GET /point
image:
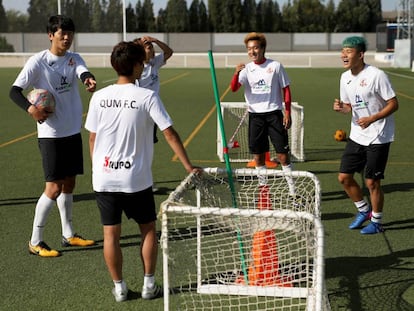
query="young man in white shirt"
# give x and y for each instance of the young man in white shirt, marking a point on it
(366, 92)
(56, 70)
(121, 120)
(265, 81)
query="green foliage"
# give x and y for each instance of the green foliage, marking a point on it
(5, 46)
(39, 12)
(202, 16)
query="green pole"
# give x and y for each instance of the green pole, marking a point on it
(226, 159)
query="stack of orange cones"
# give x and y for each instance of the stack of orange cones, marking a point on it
(268, 162)
(264, 270)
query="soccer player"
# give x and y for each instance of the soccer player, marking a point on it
(60, 143)
(152, 63)
(366, 92)
(121, 120)
(265, 81)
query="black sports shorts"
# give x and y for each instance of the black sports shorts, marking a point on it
(61, 157)
(372, 158)
(263, 126)
(139, 206)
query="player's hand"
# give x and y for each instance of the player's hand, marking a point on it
(364, 122)
(287, 121)
(197, 170)
(90, 84)
(338, 105)
(240, 67)
(39, 114)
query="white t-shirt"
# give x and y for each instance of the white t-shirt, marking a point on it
(368, 93)
(123, 116)
(263, 85)
(58, 75)
(149, 77)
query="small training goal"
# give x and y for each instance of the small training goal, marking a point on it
(265, 253)
(235, 119)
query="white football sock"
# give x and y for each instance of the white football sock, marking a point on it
(376, 217)
(362, 206)
(65, 203)
(149, 281)
(42, 210)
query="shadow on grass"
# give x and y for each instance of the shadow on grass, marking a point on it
(18, 201)
(359, 282)
(324, 154)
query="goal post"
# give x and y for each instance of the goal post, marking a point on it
(235, 121)
(283, 244)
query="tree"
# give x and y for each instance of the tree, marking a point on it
(114, 16)
(78, 10)
(310, 15)
(248, 16)
(231, 16)
(144, 15)
(39, 13)
(289, 17)
(197, 17)
(215, 11)
(97, 16)
(17, 22)
(5, 46)
(131, 24)
(358, 15)
(161, 20)
(3, 18)
(330, 20)
(269, 18)
(177, 16)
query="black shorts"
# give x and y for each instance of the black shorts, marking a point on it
(263, 126)
(139, 206)
(61, 157)
(372, 158)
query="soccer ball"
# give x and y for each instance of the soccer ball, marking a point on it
(42, 99)
(340, 135)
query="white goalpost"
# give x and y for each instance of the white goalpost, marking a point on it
(235, 121)
(278, 263)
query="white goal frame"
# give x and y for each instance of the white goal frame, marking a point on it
(315, 295)
(241, 154)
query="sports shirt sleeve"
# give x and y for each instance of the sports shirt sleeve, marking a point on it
(384, 87)
(158, 113)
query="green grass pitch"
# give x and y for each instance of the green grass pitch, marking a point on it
(362, 272)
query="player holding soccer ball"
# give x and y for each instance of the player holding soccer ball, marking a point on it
(366, 92)
(56, 70)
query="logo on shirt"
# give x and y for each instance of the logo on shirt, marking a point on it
(71, 62)
(363, 83)
(359, 102)
(65, 86)
(116, 165)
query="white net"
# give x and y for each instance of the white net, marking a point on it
(265, 254)
(235, 122)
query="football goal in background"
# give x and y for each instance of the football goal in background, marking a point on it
(264, 254)
(235, 119)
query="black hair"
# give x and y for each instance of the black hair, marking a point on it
(125, 55)
(57, 22)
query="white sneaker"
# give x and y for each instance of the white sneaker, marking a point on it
(120, 294)
(151, 293)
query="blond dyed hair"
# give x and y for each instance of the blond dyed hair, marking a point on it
(256, 36)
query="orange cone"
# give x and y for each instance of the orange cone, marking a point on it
(268, 162)
(264, 271)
